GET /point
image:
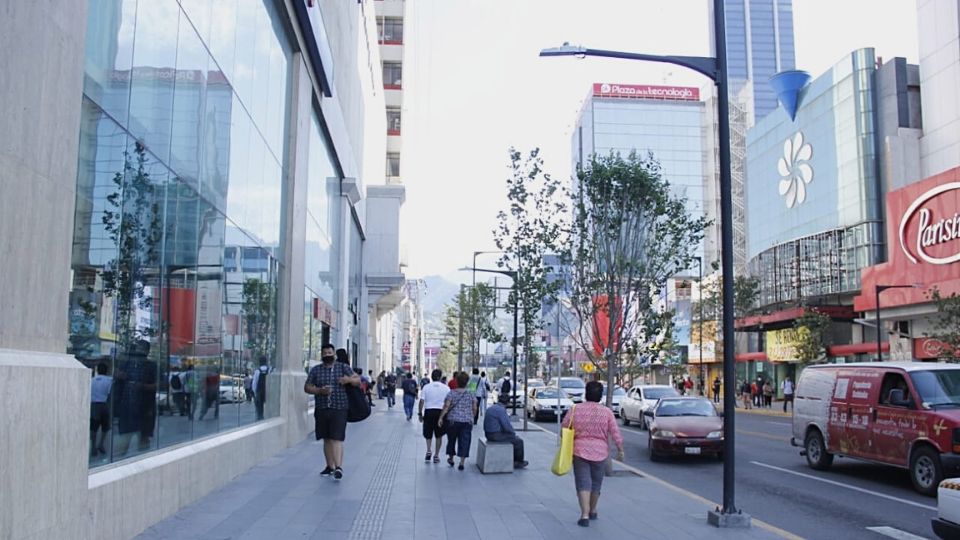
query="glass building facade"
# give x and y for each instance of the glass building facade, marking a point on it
(177, 233)
(672, 130)
(759, 44)
(813, 192)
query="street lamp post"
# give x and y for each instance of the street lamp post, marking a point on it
(516, 309)
(703, 381)
(714, 68)
(879, 289)
(474, 354)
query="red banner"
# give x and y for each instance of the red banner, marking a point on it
(929, 348)
(601, 324)
(646, 91)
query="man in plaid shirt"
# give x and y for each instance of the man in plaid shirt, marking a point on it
(325, 381)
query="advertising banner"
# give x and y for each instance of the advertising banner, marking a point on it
(646, 91)
(781, 345)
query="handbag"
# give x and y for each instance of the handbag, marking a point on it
(358, 408)
(563, 461)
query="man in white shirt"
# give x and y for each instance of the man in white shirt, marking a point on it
(100, 386)
(787, 387)
(431, 404)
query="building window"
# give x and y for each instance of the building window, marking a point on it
(393, 120)
(390, 30)
(392, 72)
(393, 164)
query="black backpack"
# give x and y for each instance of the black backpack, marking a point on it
(175, 382)
(261, 394)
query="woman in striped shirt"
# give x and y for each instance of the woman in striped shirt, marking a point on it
(593, 426)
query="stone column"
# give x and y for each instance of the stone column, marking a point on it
(293, 402)
(44, 393)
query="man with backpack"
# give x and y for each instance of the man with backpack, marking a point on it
(474, 386)
(260, 386)
(390, 389)
(178, 392)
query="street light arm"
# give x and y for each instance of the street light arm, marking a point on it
(705, 65)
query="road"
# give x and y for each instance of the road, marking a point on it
(775, 485)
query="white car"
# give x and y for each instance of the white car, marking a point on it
(618, 395)
(947, 522)
(544, 402)
(231, 392)
(642, 398)
(574, 388)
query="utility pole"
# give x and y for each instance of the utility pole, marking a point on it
(460, 319)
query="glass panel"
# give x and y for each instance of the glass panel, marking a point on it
(189, 97)
(109, 54)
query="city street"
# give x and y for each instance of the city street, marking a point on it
(775, 484)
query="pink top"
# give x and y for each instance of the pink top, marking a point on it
(593, 425)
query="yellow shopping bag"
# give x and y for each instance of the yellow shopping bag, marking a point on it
(563, 461)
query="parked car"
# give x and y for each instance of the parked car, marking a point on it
(905, 414)
(232, 391)
(643, 398)
(682, 426)
(574, 388)
(947, 523)
(618, 395)
(547, 402)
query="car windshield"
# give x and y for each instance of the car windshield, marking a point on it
(549, 393)
(938, 388)
(618, 392)
(535, 384)
(571, 383)
(657, 393)
(686, 407)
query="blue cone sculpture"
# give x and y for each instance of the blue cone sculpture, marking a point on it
(788, 86)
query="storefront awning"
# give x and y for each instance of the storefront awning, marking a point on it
(752, 356)
(784, 318)
(856, 348)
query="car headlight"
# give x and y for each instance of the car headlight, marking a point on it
(715, 435)
(664, 434)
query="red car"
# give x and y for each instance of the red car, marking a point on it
(684, 426)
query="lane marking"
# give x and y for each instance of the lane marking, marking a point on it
(710, 504)
(847, 486)
(763, 435)
(895, 533)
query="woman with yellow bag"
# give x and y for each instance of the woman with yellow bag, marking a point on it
(593, 425)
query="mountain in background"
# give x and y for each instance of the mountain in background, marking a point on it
(440, 291)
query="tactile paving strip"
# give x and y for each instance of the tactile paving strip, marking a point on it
(373, 508)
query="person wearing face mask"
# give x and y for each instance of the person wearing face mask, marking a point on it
(325, 382)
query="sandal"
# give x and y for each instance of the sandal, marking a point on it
(436, 459)
(460, 467)
(427, 457)
(450, 461)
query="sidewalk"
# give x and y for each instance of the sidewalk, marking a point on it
(389, 493)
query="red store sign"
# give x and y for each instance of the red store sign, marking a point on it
(923, 244)
(646, 91)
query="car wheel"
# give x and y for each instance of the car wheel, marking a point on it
(925, 471)
(653, 455)
(625, 420)
(817, 456)
(643, 422)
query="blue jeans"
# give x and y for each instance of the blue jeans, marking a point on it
(408, 401)
(458, 438)
(391, 396)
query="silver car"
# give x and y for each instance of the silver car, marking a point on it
(642, 398)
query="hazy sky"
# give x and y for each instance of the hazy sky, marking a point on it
(474, 86)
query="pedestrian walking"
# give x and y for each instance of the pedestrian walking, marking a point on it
(410, 390)
(432, 399)
(483, 392)
(381, 382)
(390, 389)
(787, 387)
(178, 391)
(716, 390)
(755, 393)
(425, 380)
(746, 395)
(260, 386)
(326, 383)
(247, 386)
(366, 381)
(497, 428)
(456, 418)
(343, 357)
(473, 386)
(593, 425)
(100, 421)
(504, 386)
(452, 383)
(767, 394)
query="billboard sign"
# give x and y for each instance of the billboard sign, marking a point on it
(646, 91)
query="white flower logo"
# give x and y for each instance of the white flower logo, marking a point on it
(604, 88)
(795, 170)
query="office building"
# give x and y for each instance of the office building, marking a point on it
(192, 190)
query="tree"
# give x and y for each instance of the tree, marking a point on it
(477, 306)
(630, 233)
(946, 325)
(132, 221)
(533, 227)
(259, 307)
(812, 336)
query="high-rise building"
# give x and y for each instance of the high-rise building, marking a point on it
(759, 45)
(390, 36)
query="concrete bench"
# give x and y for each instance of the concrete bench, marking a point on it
(494, 457)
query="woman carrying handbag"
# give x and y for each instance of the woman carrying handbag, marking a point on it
(593, 425)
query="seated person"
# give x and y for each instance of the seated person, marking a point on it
(497, 428)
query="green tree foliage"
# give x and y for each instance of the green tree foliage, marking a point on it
(630, 233)
(946, 325)
(259, 309)
(132, 221)
(813, 336)
(532, 227)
